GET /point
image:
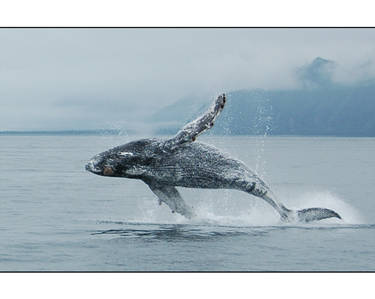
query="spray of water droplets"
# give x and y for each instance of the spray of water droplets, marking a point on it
(262, 129)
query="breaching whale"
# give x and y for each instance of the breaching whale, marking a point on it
(164, 164)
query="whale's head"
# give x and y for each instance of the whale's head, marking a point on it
(129, 160)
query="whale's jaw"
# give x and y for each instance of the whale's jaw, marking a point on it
(90, 166)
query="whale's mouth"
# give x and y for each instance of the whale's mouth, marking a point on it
(91, 167)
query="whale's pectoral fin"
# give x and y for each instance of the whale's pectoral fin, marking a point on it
(191, 131)
(172, 198)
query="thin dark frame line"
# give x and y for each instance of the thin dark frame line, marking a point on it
(184, 27)
(187, 27)
(255, 272)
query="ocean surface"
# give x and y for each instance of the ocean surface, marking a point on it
(55, 216)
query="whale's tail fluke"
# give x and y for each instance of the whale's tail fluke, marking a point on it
(312, 214)
(307, 215)
(304, 215)
(288, 215)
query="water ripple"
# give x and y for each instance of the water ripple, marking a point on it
(194, 232)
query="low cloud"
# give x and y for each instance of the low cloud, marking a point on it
(90, 78)
(318, 73)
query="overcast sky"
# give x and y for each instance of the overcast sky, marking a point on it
(107, 78)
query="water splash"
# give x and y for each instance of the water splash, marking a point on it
(262, 129)
(238, 209)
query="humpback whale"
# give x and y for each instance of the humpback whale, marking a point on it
(181, 161)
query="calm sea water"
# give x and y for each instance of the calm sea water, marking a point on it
(56, 216)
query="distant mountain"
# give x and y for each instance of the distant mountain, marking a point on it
(338, 111)
(316, 74)
(170, 118)
(333, 111)
(319, 108)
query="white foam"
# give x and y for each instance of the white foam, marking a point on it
(233, 208)
(214, 207)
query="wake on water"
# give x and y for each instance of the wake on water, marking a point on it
(228, 208)
(226, 215)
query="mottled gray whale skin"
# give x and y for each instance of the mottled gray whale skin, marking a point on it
(182, 162)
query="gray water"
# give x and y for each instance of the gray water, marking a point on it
(56, 216)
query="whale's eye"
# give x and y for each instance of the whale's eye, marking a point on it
(125, 154)
(108, 170)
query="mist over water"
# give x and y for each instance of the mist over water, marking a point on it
(56, 216)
